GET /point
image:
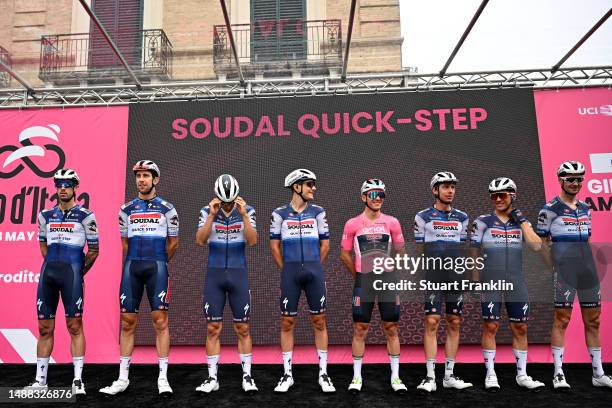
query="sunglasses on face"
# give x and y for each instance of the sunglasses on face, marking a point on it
(573, 179)
(310, 184)
(64, 184)
(373, 195)
(502, 196)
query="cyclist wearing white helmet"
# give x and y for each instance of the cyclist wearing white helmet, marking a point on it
(565, 222)
(227, 225)
(149, 229)
(500, 236)
(440, 231)
(299, 242)
(372, 235)
(63, 232)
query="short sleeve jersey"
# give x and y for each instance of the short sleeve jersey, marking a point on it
(227, 243)
(146, 224)
(371, 239)
(67, 232)
(442, 232)
(299, 233)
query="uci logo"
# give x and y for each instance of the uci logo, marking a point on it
(27, 149)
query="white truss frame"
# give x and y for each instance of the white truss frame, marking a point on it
(580, 77)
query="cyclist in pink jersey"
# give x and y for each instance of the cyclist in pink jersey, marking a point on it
(372, 235)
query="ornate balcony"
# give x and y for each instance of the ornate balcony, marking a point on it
(279, 47)
(77, 58)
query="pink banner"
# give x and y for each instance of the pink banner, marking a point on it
(576, 124)
(33, 145)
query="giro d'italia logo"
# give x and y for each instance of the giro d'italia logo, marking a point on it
(23, 154)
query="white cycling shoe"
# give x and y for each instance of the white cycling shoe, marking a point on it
(116, 387)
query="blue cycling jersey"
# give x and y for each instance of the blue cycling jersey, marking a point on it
(227, 242)
(564, 224)
(300, 232)
(442, 232)
(66, 233)
(147, 224)
(502, 243)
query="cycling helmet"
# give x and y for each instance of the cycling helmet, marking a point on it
(66, 174)
(574, 168)
(372, 184)
(226, 188)
(442, 177)
(501, 184)
(146, 165)
(297, 176)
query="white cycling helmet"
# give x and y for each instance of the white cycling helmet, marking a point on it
(226, 188)
(372, 184)
(146, 165)
(574, 168)
(501, 184)
(299, 175)
(442, 177)
(66, 174)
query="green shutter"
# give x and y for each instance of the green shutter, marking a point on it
(278, 30)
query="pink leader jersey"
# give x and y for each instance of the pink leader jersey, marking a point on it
(371, 239)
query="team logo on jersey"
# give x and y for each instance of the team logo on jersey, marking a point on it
(145, 218)
(174, 220)
(306, 224)
(61, 227)
(446, 225)
(92, 226)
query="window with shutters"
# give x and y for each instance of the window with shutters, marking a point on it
(122, 19)
(278, 30)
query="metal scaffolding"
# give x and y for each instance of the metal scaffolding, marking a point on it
(405, 81)
(580, 77)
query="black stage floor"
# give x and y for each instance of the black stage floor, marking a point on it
(376, 391)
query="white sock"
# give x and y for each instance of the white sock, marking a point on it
(163, 367)
(77, 362)
(430, 363)
(124, 368)
(213, 361)
(449, 367)
(595, 353)
(322, 361)
(489, 359)
(287, 361)
(357, 361)
(245, 360)
(557, 353)
(42, 365)
(394, 360)
(521, 362)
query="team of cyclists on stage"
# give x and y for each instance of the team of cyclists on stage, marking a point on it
(299, 243)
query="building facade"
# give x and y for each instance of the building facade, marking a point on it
(54, 42)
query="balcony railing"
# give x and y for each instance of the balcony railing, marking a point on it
(5, 78)
(88, 57)
(273, 45)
